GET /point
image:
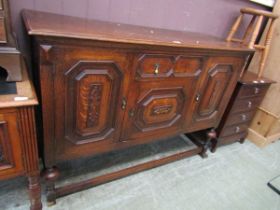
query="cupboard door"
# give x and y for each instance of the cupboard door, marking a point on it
(218, 83)
(89, 85)
(10, 147)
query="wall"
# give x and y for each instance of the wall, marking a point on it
(207, 16)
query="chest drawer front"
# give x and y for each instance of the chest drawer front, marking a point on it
(155, 66)
(246, 105)
(10, 147)
(252, 91)
(233, 130)
(243, 117)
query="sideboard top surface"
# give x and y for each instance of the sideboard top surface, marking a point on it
(48, 24)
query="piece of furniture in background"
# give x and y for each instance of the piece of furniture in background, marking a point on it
(106, 86)
(247, 96)
(239, 113)
(265, 127)
(10, 57)
(253, 31)
(18, 143)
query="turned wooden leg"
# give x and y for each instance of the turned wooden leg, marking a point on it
(213, 141)
(211, 135)
(51, 175)
(34, 189)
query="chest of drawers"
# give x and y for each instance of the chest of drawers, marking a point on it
(106, 86)
(246, 98)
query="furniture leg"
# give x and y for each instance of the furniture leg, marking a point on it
(242, 140)
(34, 189)
(212, 140)
(51, 175)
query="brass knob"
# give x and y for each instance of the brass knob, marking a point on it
(257, 90)
(249, 104)
(244, 117)
(237, 129)
(156, 70)
(124, 103)
(197, 97)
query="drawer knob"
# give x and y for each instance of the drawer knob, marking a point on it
(243, 117)
(197, 97)
(124, 103)
(237, 129)
(257, 90)
(156, 70)
(249, 104)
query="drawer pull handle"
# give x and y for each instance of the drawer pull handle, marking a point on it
(257, 90)
(197, 97)
(124, 103)
(249, 104)
(243, 117)
(162, 110)
(237, 129)
(156, 70)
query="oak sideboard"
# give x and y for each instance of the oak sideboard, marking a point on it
(106, 86)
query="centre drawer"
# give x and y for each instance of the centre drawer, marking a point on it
(167, 66)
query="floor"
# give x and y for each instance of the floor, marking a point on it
(235, 177)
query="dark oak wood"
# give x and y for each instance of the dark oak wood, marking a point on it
(18, 142)
(247, 96)
(106, 86)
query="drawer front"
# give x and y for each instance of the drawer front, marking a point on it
(10, 149)
(231, 138)
(240, 118)
(246, 105)
(252, 90)
(234, 130)
(163, 66)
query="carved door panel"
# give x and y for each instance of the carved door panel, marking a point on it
(160, 96)
(88, 106)
(10, 148)
(219, 80)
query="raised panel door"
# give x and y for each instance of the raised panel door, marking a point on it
(89, 85)
(219, 80)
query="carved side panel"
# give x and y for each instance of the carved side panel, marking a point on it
(218, 78)
(91, 102)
